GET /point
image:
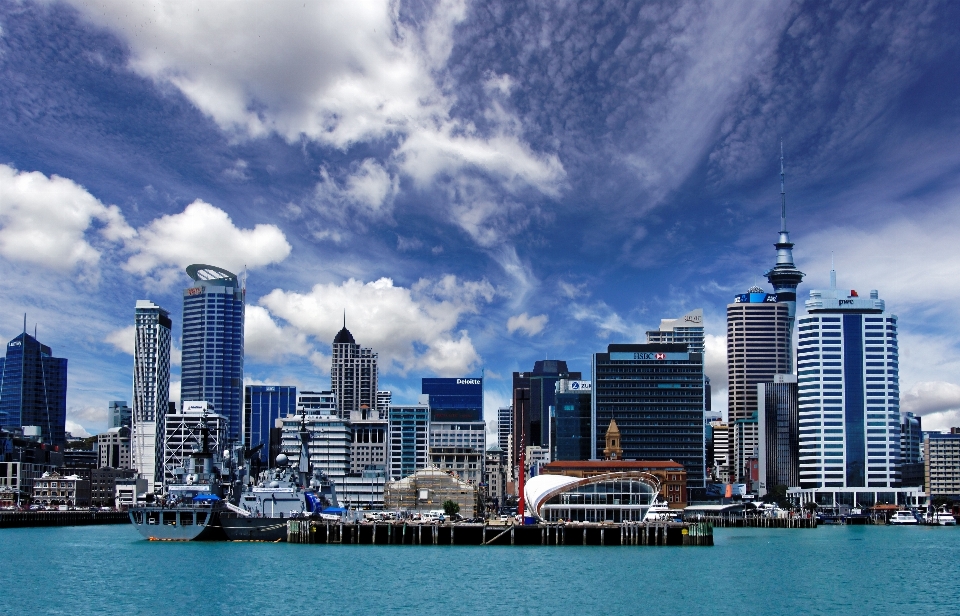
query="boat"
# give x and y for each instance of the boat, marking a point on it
(903, 517)
(943, 517)
(660, 511)
(191, 508)
(282, 493)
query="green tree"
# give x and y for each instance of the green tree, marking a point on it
(811, 507)
(450, 507)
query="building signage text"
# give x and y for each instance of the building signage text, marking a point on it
(642, 356)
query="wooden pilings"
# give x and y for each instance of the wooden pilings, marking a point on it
(403, 533)
(19, 519)
(733, 521)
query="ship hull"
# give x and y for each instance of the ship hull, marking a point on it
(239, 528)
(177, 524)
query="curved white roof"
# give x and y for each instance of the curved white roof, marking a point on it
(538, 488)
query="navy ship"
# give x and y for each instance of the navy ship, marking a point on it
(282, 493)
(194, 502)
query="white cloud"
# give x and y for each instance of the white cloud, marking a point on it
(265, 340)
(415, 328)
(526, 324)
(369, 190)
(76, 429)
(936, 401)
(175, 391)
(203, 233)
(46, 221)
(123, 339)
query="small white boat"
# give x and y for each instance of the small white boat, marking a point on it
(903, 517)
(943, 518)
(660, 512)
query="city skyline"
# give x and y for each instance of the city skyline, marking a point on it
(473, 196)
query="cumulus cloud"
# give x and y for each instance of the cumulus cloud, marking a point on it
(415, 328)
(929, 397)
(123, 339)
(264, 339)
(203, 233)
(526, 324)
(47, 221)
(76, 429)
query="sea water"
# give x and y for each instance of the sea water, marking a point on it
(828, 570)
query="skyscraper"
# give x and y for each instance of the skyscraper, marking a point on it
(33, 388)
(151, 389)
(758, 347)
(849, 396)
(212, 369)
(409, 434)
(353, 374)
(384, 398)
(454, 399)
(784, 276)
(779, 446)
(572, 425)
(688, 330)
(263, 405)
(655, 394)
(534, 393)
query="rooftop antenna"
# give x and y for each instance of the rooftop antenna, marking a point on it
(833, 273)
(24, 322)
(344, 318)
(783, 195)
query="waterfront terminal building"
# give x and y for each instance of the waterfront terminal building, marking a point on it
(849, 402)
(608, 497)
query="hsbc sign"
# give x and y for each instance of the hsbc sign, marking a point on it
(643, 356)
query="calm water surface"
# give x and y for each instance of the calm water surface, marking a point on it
(830, 570)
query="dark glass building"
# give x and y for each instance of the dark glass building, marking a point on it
(571, 421)
(33, 389)
(212, 367)
(262, 406)
(454, 399)
(533, 395)
(655, 393)
(779, 438)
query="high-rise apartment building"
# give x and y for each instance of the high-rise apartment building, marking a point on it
(720, 462)
(655, 394)
(353, 374)
(757, 348)
(212, 368)
(384, 398)
(263, 405)
(779, 448)
(151, 389)
(33, 389)
(687, 330)
(941, 462)
(784, 276)
(849, 398)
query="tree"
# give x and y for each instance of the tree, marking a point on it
(811, 507)
(450, 508)
(940, 501)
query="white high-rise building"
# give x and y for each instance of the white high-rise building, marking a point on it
(151, 390)
(688, 330)
(849, 399)
(194, 427)
(353, 375)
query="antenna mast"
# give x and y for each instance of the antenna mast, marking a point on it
(783, 195)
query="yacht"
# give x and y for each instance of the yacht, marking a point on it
(903, 517)
(660, 512)
(943, 517)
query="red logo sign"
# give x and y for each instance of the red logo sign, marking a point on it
(195, 291)
(661, 355)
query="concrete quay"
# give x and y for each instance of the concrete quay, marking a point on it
(392, 533)
(22, 519)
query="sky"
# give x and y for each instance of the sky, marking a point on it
(474, 185)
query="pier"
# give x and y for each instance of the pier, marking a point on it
(732, 521)
(391, 533)
(22, 519)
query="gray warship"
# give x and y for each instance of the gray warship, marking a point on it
(281, 493)
(191, 508)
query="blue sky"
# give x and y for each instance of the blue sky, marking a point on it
(478, 185)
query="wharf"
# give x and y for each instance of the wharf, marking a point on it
(722, 521)
(392, 533)
(21, 519)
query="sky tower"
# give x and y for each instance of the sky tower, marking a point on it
(784, 276)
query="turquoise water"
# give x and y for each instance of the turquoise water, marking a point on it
(829, 570)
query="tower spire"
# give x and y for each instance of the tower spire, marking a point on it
(783, 195)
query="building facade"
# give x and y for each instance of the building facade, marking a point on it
(849, 396)
(911, 450)
(672, 477)
(655, 394)
(114, 447)
(409, 438)
(384, 399)
(33, 389)
(572, 436)
(778, 451)
(534, 394)
(369, 450)
(941, 464)
(53, 489)
(427, 489)
(212, 367)
(353, 374)
(459, 447)
(194, 428)
(151, 389)
(263, 405)
(119, 414)
(329, 447)
(454, 399)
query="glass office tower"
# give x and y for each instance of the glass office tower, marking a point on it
(779, 443)
(262, 406)
(849, 392)
(33, 389)
(454, 399)
(571, 421)
(212, 368)
(655, 393)
(409, 432)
